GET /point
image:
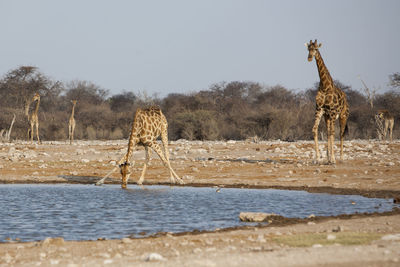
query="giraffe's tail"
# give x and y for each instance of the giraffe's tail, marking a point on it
(346, 130)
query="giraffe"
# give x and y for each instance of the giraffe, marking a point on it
(71, 123)
(388, 118)
(33, 118)
(148, 125)
(330, 102)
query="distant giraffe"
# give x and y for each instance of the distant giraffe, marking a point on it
(148, 125)
(330, 102)
(33, 118)
(388, 118)
(72, 123)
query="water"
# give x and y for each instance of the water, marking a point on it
(87, 212)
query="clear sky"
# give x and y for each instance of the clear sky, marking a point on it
(183, 46)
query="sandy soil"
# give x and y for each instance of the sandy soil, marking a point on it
(370, 168)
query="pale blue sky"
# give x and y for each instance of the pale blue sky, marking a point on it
(180, 46)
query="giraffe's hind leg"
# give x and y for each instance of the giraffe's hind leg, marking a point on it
(69, 133)
(72, 133)
(391, 130)
(343, 130)
(37, 132)
(164, 140)
(331, 158)
(166, 162)
(32, 132)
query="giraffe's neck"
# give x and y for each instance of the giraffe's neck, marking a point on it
(131, 144)
(73, 111)
(37, 106)
(133, 138)
(27, 105)
(324, 76)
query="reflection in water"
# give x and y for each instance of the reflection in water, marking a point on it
(86, 212)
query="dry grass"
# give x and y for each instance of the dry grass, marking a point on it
(310, 239)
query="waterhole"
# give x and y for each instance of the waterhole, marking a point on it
(87, 212)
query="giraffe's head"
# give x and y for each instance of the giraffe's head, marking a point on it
(381, 113)
(74, 102)
(36, 97)
(312, 49)
(124, 169)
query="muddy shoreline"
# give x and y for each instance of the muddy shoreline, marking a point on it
(395, 194)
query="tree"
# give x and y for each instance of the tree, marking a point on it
(394, 80)
(86, 92)
(123, 102)
(19, 85)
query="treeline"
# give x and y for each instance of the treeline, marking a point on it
(234, 110)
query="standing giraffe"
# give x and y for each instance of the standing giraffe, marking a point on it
(148, 125)
(330, 102)
(71, 123)
(33, 118)
(388, 118)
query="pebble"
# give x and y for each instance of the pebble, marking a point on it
(330, 237)
(108, 261)
(126, 240)
(197, 250)
(337, 229)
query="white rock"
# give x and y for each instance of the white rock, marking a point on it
(255, 216)
(330, 237)
(317, 246)
(394, 237)
(154, 257)
(54, 261)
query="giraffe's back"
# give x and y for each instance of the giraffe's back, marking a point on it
(149, 124)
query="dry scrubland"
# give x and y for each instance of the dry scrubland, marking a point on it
(370, 168)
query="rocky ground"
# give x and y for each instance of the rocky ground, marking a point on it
(369, 168)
